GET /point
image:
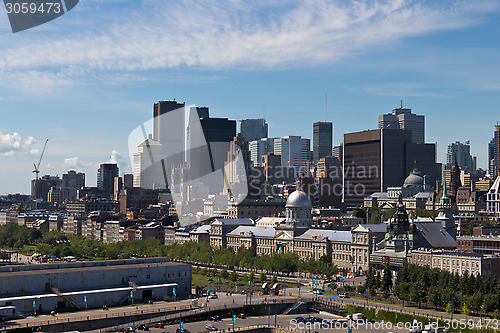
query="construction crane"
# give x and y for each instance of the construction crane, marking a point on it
(37, 167)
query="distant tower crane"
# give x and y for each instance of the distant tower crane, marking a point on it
(37, 167)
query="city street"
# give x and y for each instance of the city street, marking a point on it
(160, 306)
(281, 320)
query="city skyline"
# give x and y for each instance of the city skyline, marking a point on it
(85, 84)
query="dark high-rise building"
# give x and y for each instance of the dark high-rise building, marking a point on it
(402, 118)
(491, 156)
(494, 153)
(208, 142)
(169, 130)
(253, 129)
(377, 159)
(322, 140)
(74, 180)
(106, 176)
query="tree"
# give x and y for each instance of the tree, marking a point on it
(234, 277)
(361, 289)
(434, 296)
(378, 280)
(387, 279)
(263, 277)
(370, 278)
(465, 309)
(418, 293)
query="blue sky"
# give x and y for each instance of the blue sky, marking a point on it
(88, 78)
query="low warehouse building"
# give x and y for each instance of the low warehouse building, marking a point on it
(83, 285)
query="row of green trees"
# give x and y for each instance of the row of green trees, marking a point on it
(438, 287)
(377, 282)
(15, 236)
(287, 262)
(12, 235)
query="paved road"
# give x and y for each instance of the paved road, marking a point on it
(236, 299)
(396, 308)
(281, 320)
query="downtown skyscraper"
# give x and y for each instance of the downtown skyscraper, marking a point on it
(253, 129)
(494, 153)
(322, 140)
(169, 130)
(460, 152)
(106, 176)
(402, 118)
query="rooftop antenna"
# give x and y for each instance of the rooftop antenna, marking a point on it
(264, 112)
(401, 104)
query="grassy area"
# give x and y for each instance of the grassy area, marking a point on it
(227, 284)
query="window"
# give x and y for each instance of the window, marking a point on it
(148, 276)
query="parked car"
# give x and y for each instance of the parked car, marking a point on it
(214, 318)
(123, 329)
(242, 316)
(299, 319)
(344, 295)
(159, 325)
(213, 296)
(143, 327)
(211, 327)
(182, 330)
(130, 329)
(317, 292)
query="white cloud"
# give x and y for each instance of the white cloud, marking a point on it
(75, 163)
(238, 34)
(117, 158)
(14, 144)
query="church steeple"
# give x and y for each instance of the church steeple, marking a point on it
(400, 223)
(445, 217)
(445, 202)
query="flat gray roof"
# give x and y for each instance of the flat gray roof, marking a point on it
(88, 269)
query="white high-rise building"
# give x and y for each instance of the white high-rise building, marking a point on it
(402, 118)
(295, 151)
(259, 148)
(148, 174)
(493, 198)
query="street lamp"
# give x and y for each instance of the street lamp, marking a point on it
(233, 318)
